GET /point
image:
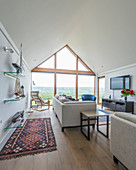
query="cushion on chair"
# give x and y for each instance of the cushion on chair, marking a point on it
(45, 101)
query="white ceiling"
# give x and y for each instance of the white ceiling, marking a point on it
(101, 32)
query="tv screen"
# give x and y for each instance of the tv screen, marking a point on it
(117, 83)
(121, 82)
(127, 83)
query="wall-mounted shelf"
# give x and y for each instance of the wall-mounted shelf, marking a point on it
(20, 122)
(13, 99)
(13, 74)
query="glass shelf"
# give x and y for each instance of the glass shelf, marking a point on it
(20, 122)
(13, 74)
(12, 100)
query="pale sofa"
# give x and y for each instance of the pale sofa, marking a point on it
(68, 113)
(123, 139)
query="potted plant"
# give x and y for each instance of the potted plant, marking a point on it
(127, 92)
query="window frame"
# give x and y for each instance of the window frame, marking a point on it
(76, 72)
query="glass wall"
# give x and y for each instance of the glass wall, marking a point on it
(85, 85)
(44, 83)
(64, 77)
(81, 67)
(101, 88)
(48, 63)
(66, 60)
(66, 84)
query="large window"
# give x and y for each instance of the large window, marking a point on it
(81, 67)
(63, 73)
(85, 85)
(66, 84)
(101, 89)
(44, 83)
(66, 60)
(49, 63)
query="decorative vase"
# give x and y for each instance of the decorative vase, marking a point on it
(17, 88)
(125, 98)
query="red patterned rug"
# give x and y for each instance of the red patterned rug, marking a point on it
(35, 136)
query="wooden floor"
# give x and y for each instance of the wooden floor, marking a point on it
(74, 151)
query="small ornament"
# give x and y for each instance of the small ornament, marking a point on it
(22, 91)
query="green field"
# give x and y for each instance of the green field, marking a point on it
(48, 92)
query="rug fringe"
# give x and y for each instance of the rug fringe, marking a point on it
(28, 154)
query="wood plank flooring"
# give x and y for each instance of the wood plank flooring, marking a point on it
(74, 151)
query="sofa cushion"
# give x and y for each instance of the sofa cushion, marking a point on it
(79, 102)
(64, 100)
(56, 96)
(61, 97)
(127, 116)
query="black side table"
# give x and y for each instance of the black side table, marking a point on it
(93, 115)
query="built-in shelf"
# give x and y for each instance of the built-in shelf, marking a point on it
(13, 74)
(20, 122)
(13, 99)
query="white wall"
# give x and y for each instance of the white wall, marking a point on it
(128, 70)
(7, 85)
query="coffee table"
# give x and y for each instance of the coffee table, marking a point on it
(93, 115)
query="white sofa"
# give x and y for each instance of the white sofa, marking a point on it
(123, 139)
(68, 113)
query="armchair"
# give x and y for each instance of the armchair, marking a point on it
(39, 101)
(88, 97)
(123, 139)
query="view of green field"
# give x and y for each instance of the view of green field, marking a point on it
(65, 85)
(48, 92)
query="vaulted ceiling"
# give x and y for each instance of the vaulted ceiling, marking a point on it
(101, 32)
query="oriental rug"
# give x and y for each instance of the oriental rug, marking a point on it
(35, 136)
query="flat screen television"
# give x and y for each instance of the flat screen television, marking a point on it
(121, 82)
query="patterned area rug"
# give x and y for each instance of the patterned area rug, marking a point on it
(35, 136)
